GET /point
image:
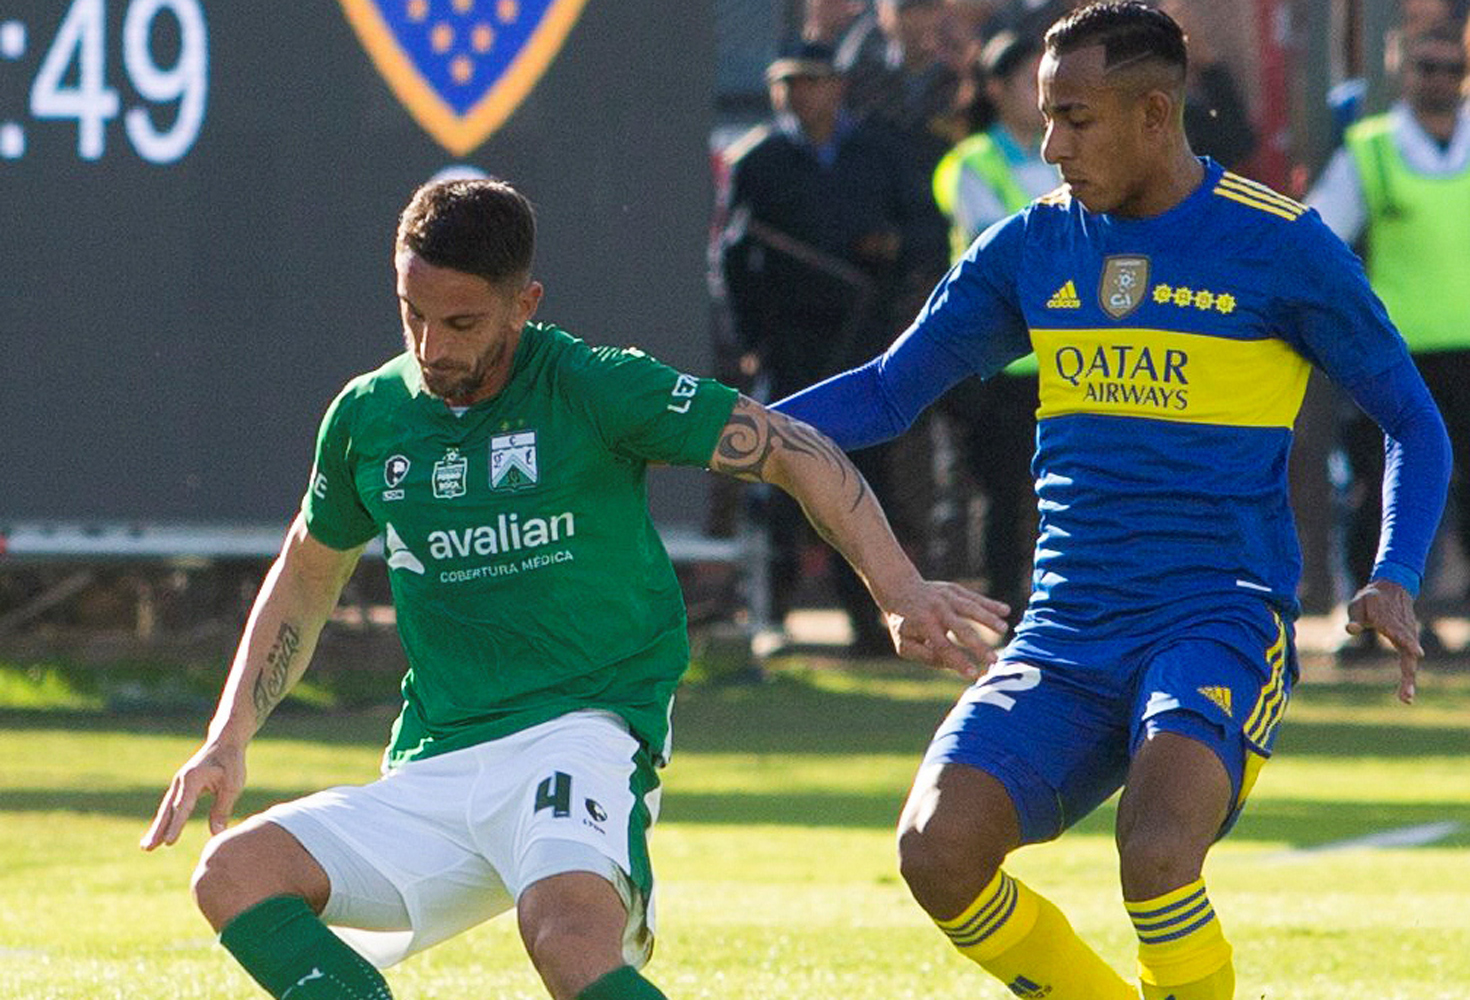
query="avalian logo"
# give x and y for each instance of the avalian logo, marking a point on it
(461, 67)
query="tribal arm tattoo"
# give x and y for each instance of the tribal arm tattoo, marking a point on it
(759, 445)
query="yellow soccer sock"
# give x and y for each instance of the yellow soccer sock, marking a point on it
(1026, 943)
(1182, 952)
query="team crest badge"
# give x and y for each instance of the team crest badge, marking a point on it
(1124, 280)
(513, 461)
(461, 67)
(450, 475)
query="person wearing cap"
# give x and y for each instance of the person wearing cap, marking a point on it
(893, 59)
(1401, 183)
(826, 217)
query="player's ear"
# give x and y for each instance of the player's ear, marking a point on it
(527, 301)
(1159, 108)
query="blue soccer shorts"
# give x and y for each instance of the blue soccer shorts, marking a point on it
(1059, 733)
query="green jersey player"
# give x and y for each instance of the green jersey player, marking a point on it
(502, 461)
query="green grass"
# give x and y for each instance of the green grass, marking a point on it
(774, 852)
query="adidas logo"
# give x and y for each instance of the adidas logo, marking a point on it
(1065, 298)
(1220, 696)
(1023, 987)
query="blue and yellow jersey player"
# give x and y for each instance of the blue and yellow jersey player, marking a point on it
(1176, 310)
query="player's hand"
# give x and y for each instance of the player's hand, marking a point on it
(217, 769)
(1386, 608)
(940, 624)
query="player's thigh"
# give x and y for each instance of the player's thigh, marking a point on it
(1052, 738)
(581, 794)
(1225, 687)
(402, 864)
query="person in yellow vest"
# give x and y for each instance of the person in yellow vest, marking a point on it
(1400, 184)
(983, 179)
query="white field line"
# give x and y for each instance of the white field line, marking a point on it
(1404, 836)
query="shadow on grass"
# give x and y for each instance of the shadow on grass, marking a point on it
(1295, 823)
(137, 802)
(289, 722)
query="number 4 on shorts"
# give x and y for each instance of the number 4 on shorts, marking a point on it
(555, 793)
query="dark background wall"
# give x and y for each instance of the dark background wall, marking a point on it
(170, 334)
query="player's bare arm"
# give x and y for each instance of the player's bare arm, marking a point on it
(932, 622)
(1388, 609)
(294, 603)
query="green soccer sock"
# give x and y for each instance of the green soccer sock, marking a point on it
(622, 984)
(289, 951)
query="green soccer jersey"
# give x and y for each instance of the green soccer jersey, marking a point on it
(527, 575)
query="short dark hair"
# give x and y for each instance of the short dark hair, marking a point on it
(483, 227)
(1129, 31)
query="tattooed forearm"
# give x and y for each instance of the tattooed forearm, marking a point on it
(753, 435)
(271, 684)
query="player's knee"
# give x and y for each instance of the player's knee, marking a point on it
(251, 863)
(220, 879)
(945, 866)
(1156, 857)
(572, 926)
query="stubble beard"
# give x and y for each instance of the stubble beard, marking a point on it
(458, 383)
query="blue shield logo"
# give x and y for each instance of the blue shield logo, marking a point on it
(461, 67)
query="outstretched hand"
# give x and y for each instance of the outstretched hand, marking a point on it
(215, 769)
(1386, 608)
(939, 624)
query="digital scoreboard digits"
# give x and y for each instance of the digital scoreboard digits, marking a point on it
(72, 81)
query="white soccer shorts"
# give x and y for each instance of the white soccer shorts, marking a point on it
(442, 844)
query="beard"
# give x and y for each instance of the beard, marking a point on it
(455, 382)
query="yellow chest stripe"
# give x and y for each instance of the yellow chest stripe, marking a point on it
(1166, 375)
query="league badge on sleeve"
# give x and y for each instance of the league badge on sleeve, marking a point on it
(513, 461)
(461, 67)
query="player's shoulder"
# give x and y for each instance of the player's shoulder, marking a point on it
(754, 139)
(387, 384)
(1248, 201)
(568, 358)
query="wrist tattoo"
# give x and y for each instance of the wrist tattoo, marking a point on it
(271, 684)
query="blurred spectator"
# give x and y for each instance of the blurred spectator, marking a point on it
(983, 179)
(893, 60)
(825, 21)
(1215, 116)
(825, 216)
(1401, 183)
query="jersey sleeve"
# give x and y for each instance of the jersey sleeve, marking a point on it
(334, 512)
(643, 409)
(1331, 314)
(1340, 325)
(971, 325)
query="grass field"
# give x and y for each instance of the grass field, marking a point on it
(774, 853)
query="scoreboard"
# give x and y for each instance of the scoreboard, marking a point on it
(198, 199)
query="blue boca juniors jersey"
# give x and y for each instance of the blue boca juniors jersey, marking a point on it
(1174, 353)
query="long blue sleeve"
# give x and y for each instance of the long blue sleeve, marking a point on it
(1416, 470)
(972, 324)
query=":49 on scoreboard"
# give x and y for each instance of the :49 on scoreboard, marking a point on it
(165, 58)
